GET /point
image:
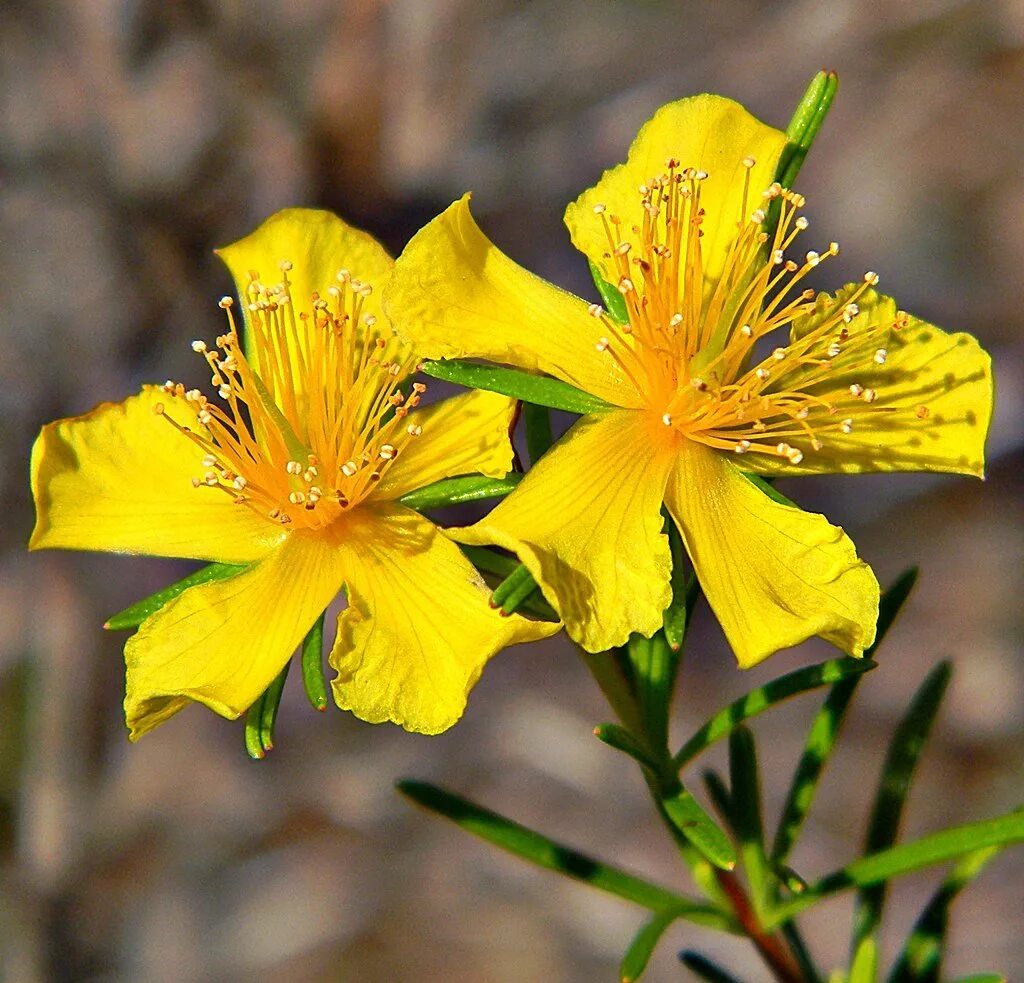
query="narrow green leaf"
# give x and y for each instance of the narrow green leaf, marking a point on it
(705, 968)
(653, 663)
(640, 950)
(745, 813)
(765, 697)
(133, 616)
(718, 792)
(804, 126)
(537, 389)
(271, 703)
(313, 665)
(688, 816)
(611, 672)
(498, 565)
(513, 591)
(920, 960)
(825, 729)
(894, 784)
(864, 967)
(949, 844)
(253, 732)
(611, 297)
(622, 740)
(982, 978)
(455, 491)
(538, 849)
(539, 438)
(684, 590)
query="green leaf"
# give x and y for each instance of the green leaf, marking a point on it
(826, 726)
(745, 812)
(529, 388)
(982, 978)
(894, 784)
(765, 697)
(654, 667)
(622, 740)
(640, 950)
(706, 969)
(804, 126)
(864, 967)
(313, 665)
(262, 715)
(718, 792)
(539, 438)
(611, 297)
(949, 844)
(688, 816)
(500, 565)
(513, 591)
(920, 960)
(455, 491)
(546, 853)
(133, 616)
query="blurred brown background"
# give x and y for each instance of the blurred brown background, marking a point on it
(136, 135)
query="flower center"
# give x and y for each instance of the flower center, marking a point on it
(312, 418)
(689, 343)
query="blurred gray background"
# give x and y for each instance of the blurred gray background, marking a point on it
(135, 136)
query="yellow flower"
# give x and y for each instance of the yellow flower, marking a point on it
(697, 395)
(295, 469)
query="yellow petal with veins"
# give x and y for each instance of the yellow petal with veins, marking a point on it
(773, 574)
(586, 521)
(454, 294)
(119, 479)
(418, 629)
(903, 396)
(467, 434)
(705, 132)
(223, 643)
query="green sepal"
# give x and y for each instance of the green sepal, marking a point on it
(640, 950)
(611, 296)
(497, 565)
(530, 388)
(455, 491)
(313, 665)
(262, 716)
(937, 848)
(824, 731)
(894, 783)
(688, 816)
(510, 594)
(135, 614)
(805, 125)
(538, 849)
(705, 968)
(767, 696)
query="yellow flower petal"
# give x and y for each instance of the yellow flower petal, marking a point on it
(705, 132)
(586, 522)
(223, 643)
(773, 574)
(119, 479)
(932, 399)
(418, 629)
(463, 435)
(454, 294)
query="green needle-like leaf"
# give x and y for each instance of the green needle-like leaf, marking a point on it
(897, 773)
(718, 792)
(949, 844)
(611, 297)
(500, 565)
(640, 950)
(920, 961)
(133, 616)
(826, 726)
(706, 969)
(685, 590)
(313, 665)
(546, 853)
(765, 697)
(621, 739)
(804, 126)
(654, 666)
(864, 966)
(688, 816)
(745, 813)
(539, 437)
(455, 491)
(529, 388)
(513, 591)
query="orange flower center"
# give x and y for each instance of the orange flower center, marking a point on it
(689, 343)
(312, 418)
